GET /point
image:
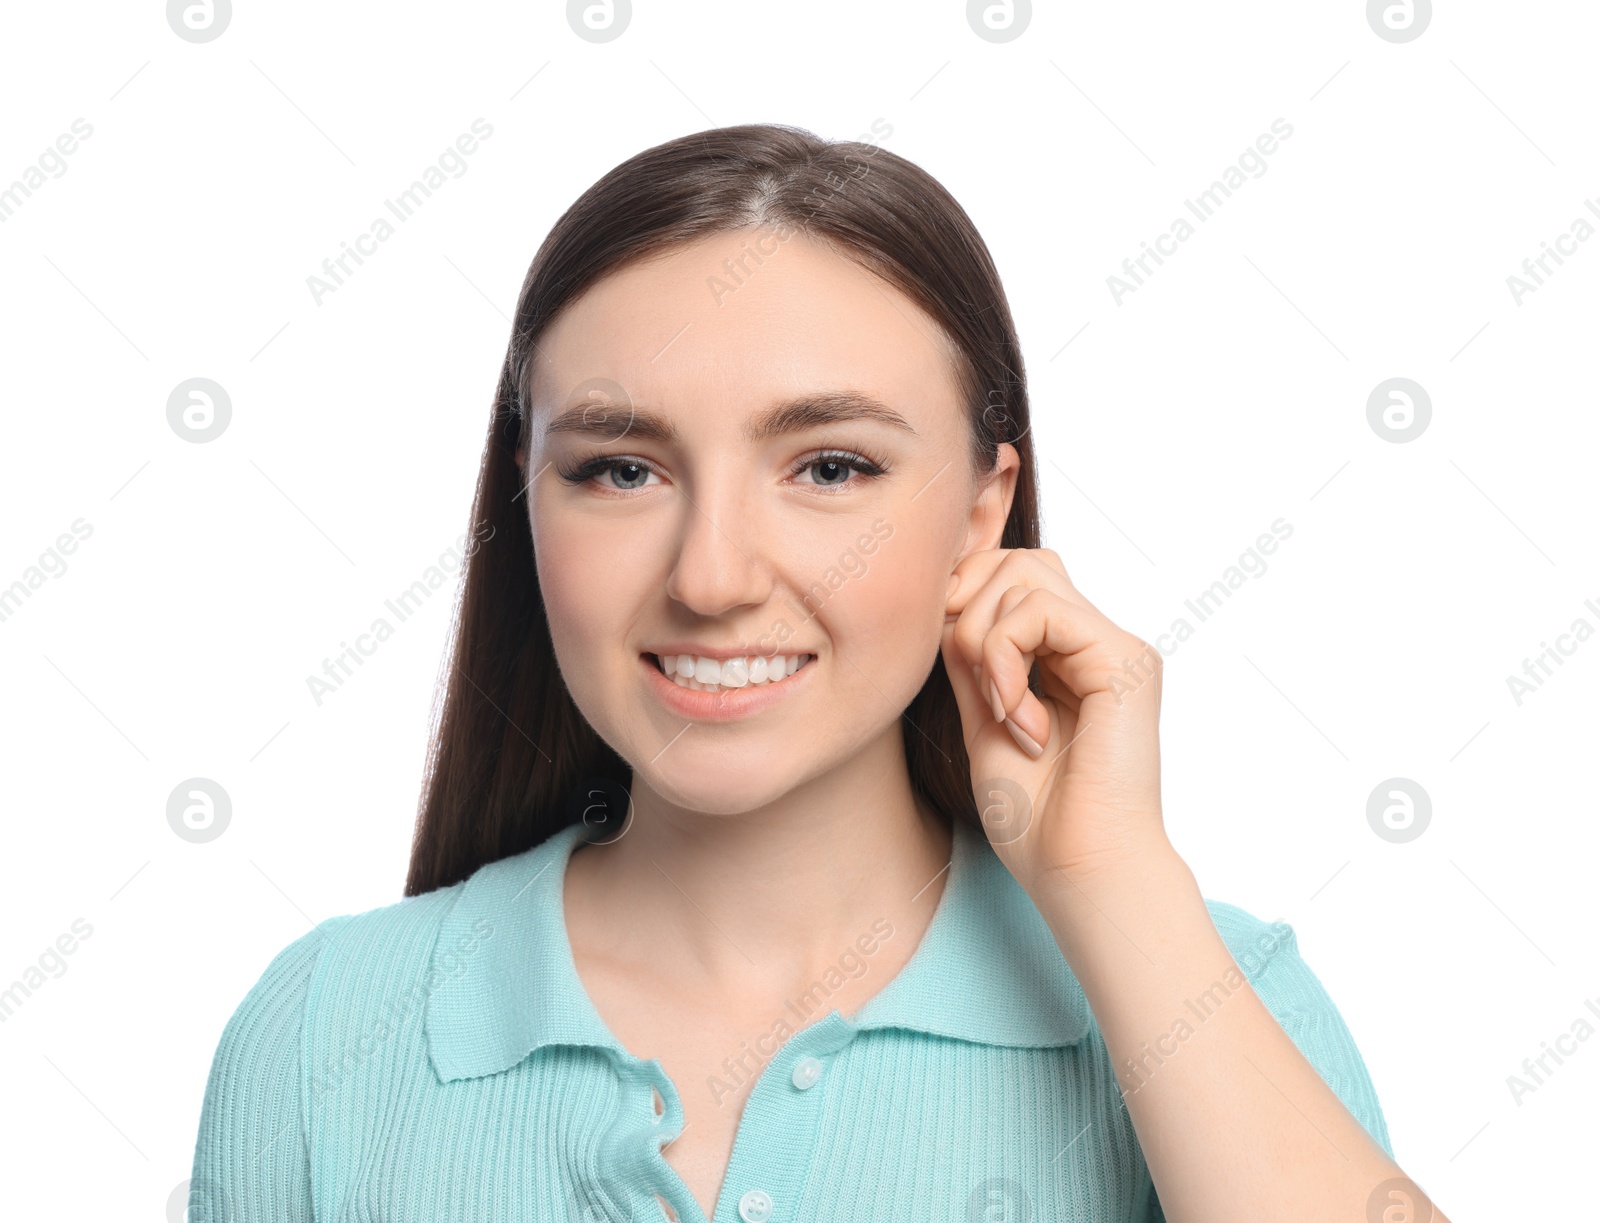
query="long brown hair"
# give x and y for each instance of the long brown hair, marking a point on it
(511, 760)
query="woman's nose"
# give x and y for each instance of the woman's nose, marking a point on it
(722, 562)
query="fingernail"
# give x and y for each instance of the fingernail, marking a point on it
(1024, 740)
(995, 703)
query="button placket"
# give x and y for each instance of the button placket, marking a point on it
(782, 1093)
(664, 1114)
(628, 1156)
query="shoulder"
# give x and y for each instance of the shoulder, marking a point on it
(361, 985)
(270, 1011)
(264, 1027)
(316, 982)
(373, 945)
(366, 946)
(329, 1019)
(1268, 955)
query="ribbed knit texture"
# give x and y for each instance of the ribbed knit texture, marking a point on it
(438, 1060)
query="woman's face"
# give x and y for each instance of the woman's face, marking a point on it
(746, 390)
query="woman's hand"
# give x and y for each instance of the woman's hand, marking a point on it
(1090, 798)
(1079, 825)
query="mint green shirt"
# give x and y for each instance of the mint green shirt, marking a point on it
(438, 1059)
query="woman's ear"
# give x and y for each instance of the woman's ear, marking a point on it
(992, 503)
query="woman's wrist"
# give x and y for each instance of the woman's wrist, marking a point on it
(1129, 870)
(1142, 906)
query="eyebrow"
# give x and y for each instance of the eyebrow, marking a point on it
(791, 416)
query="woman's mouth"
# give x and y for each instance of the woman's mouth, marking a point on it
(701, 674)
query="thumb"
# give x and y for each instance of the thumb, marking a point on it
(974, 706)
(1003, 805)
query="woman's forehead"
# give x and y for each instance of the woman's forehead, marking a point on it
(803, 319)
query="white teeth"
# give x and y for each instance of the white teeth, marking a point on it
(710, 675)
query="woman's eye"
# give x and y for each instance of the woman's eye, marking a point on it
(833, 470)
(627, 475)
(830, 471)
(624, 475)
(620, 475)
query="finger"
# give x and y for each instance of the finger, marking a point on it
(973, 707)
(1080, 646)
(977, 568)
(979, 733)
(1052, 559)
(970, 573)
(984, 580)
(1050, 684)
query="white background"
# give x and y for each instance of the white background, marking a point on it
(1172, 429)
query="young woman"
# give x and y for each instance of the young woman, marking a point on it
(792, 844)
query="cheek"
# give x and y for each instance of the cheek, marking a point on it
(880, 588)
(584, 599)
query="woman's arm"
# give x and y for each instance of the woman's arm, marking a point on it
(1234, 1123)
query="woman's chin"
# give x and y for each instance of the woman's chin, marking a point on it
(729, 795)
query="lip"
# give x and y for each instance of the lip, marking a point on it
(730, 704)
(720, 653)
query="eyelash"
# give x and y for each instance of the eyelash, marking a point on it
(582, 470)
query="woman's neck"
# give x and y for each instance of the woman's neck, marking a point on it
(766, 900)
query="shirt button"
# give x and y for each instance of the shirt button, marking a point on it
(755, 1206)
(806, 1072)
